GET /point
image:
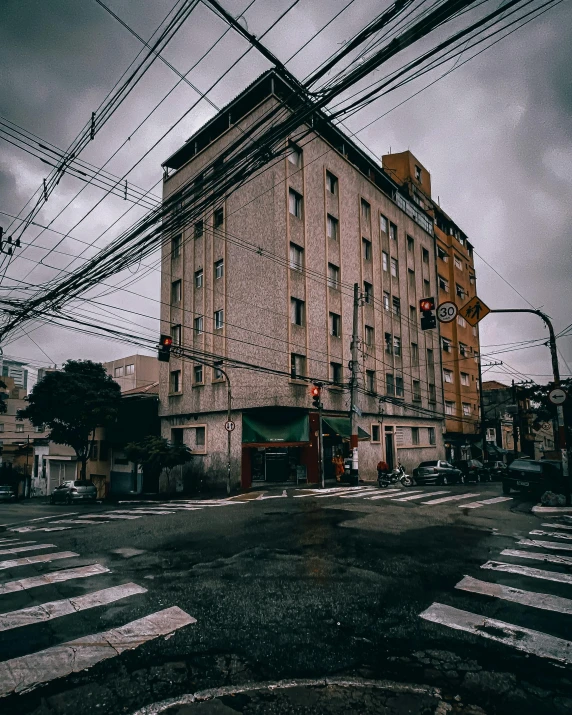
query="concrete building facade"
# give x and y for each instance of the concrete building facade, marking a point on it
(266, 277)
(133, 372)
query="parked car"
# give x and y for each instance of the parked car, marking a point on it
(438, 471)
(533, 476)
(7, 493)
(473, 471)
(497, 470)
(78, 490)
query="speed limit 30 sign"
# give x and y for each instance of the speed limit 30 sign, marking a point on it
(447, 312)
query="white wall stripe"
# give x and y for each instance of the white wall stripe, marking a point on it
(553, 534)
(17, 549)
(527, 571)
(420, 496)
(551, 558)
(558, 526)
(523, 639)
(29, 671)
(40, 558)
(65, 607)
(478, 504)
(24, 584)
(543, 601)
(457, 497)
(545, 544)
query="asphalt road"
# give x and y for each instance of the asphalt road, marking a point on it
(356, 597)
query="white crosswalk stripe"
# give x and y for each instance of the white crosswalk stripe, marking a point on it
(25, 584)
(545, 544)
(18, 549)
(553, 534)
(527, 571)
(543, 601)
(389, 494)
(456, 497)
(482, 502)
(535, 556)
(40, 558)
(558, 526)
(420, 496)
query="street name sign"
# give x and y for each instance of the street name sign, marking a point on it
(447, 312)
(557, 396)
(229, 425)
(474, 311)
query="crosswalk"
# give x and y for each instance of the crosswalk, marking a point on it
(24, 672)
(533, 589)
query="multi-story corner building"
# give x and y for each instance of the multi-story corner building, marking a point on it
(266, 277)
(17, 370)
(456, 282)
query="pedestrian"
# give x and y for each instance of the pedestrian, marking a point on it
(338, 463)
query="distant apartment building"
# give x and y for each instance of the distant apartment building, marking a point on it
(316, 222)
(134, 371)
(18, 371)
(456, 282)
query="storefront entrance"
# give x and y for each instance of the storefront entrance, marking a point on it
(275, 464)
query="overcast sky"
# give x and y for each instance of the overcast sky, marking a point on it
(496, 135)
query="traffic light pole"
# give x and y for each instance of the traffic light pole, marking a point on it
(322, 471)
(353, 388)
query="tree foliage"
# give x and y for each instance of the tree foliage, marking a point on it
(156, 454)
(72, 403)
(3, 398)
(543, 410)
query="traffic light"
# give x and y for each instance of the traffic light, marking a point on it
(164, 348)
(428, 317)
(316, 393)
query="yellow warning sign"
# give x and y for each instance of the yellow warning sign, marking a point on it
(474, 311)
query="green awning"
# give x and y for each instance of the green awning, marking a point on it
(276, 428)
(341, 427)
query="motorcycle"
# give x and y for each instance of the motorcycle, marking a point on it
(384, 479)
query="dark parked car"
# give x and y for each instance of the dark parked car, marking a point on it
(533, 476)
(438, 471)
(473, 471)
(78, 490)
(7, 493)
(497, 470)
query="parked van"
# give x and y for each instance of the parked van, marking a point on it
(533, 476)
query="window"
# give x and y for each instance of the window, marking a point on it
(198, 374)
(218, 319)
(218, 218)
(443, 255)
(386, 301)
(417, 176)
(446, 343)
(394, 267)
(331, 183)
(461, 321)
(369, 336)
(199, 226)
(432, 393)
(460, 291)
(388, 343)
(413, 316)
(392, 231)
(375, 433)
(389, 384)
(463, 349)
(414, 355)
(176, 242)
(368, 290)
(366, 249)
(443, 284)
(399, 387)
(416, 391)
(431, 431)
(175, 381)
(297, 365)
(1, 427)
(19, 427)
(176, 287)
(296, 257)
(199, 278)
(491, 434)
(396, 304)
(336, 373)
(333, 276)
(199, 325)
(200, 436)
(335, 325)
(425, 255)
(219, 269)
(458, 263)
(296, 311)
(449, 408)
(37, 428)
(466, 409)
(465, 379)
(383, 223)
(365, 211)
(175, 334)
(370, 380)
(295, 203)
(295, 155)
(410, 244)
(426, 288)
(415, 435)
(396, 345)
(118, 372)
(411, 280)
(447, 375)
(332, 227)
(384, 260)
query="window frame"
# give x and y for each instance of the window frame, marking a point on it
(176, 245)
(199, 228)
(331, 183)
(199, 325)
(175, 382)
(394, 265)
(296, 252)
(198, 369)
(219, 319)
(367, 248)
(333, 280)
(297, 312)
(176, 291)
(199, 278)
(295, 199)
(176, 336)
(336, 373)
(219, 269)
(375, 427)
(335, 325)
(294, 358)
(332, 227)
(218, 217)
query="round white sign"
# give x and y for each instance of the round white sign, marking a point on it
(557, 396)
(447, 312)
(229, 426)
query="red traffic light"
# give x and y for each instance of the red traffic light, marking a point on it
(315, 391)
(166, 341)
(426, 304)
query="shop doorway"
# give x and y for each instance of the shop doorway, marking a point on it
(275, 464)
(389, 450)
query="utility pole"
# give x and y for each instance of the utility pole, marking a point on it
(483, 427)
(353, 388)
(321, 430)
(515, 420)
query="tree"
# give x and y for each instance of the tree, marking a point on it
(156, 454)
(73, 402)
(3, 397)
(544, 411)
